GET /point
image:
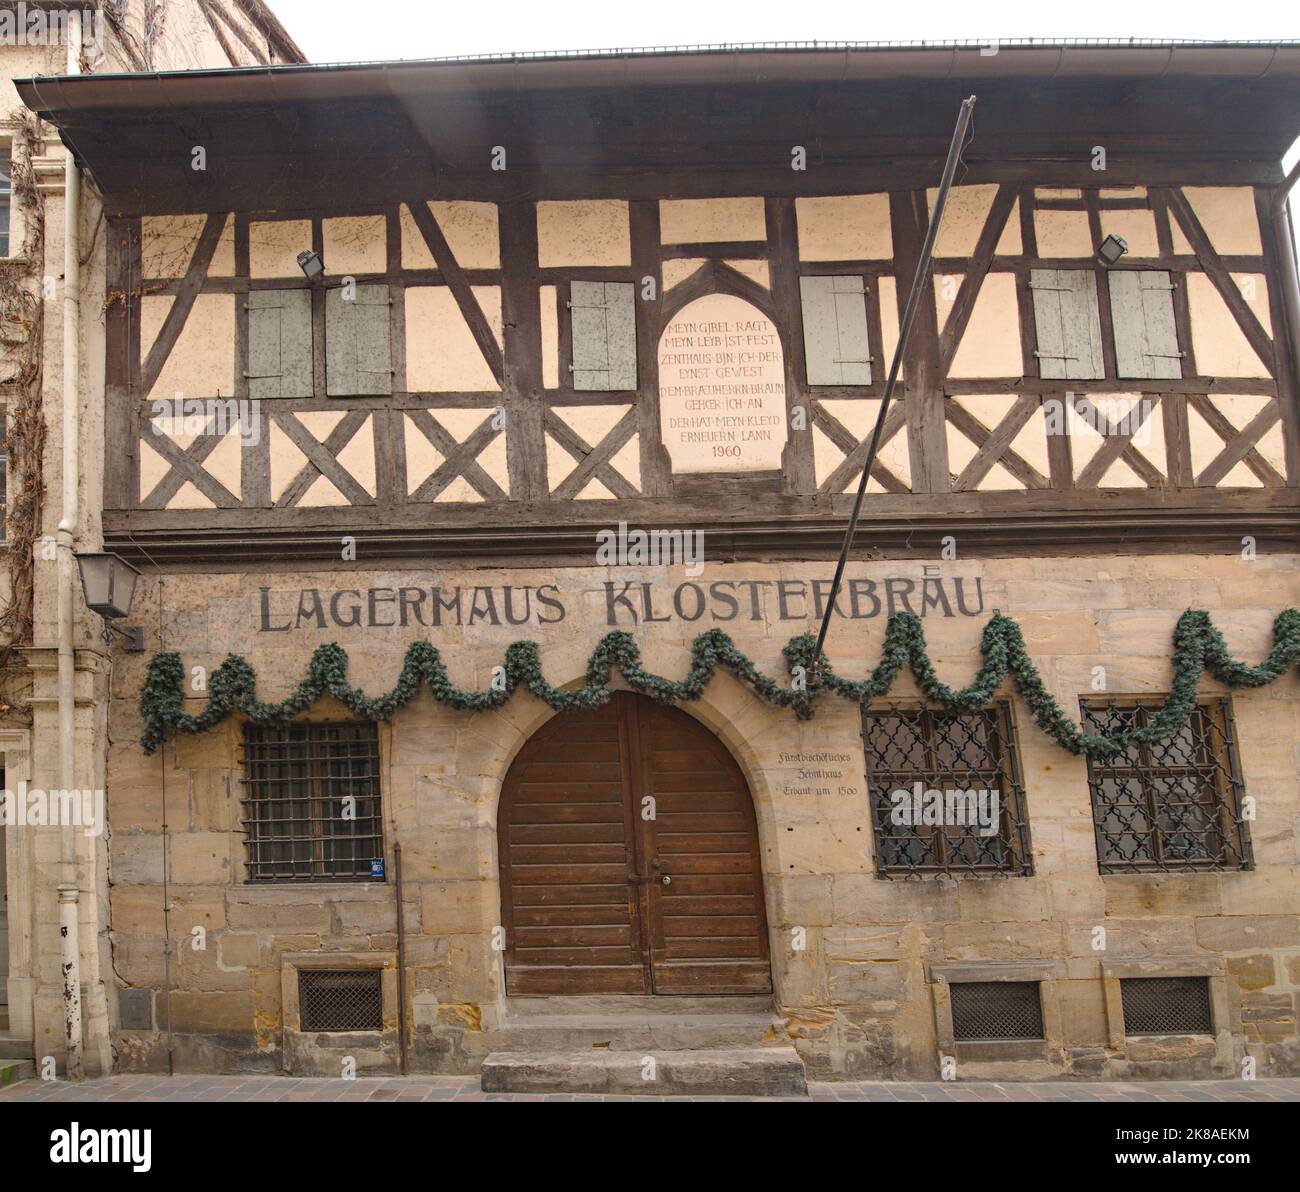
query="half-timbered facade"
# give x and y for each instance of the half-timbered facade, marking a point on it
(564, 301)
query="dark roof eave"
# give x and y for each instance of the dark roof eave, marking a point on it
(53, 96)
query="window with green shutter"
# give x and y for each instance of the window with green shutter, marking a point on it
(604, 335)
(1142, 313)
(837, 350)
(1069, 324)
(358, 343)
(279, 343)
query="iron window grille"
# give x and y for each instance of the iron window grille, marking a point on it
(983, 1011)
(340, 1000)
(1174, 805)
(940, 760)
(1166, 1006)
(311, 802)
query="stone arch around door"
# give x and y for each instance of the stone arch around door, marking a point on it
(597, 810)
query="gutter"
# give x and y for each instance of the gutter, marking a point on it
(809, 62)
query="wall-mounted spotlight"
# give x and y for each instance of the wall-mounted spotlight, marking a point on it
(108, 584)
(310, 263)
(1109, 251)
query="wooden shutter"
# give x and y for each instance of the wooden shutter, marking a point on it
(604, 334)
(279, 343)
(358, 349)
(836, 347)
(1069, 325)
(1142, 313)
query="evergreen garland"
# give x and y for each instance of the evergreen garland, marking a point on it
(1198, 647)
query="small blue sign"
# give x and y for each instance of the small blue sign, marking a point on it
(377, 868)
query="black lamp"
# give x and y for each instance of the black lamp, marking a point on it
(1110, 250)
(310, 263)
(108, 584)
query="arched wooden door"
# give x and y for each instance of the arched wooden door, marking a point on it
(629, 859)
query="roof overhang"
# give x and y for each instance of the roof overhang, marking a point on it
(572, 122)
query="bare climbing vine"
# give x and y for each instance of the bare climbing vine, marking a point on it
(22, 329)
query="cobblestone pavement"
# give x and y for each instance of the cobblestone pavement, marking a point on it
(466, 1088)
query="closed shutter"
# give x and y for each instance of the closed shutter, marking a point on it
(1069, 325)
(836, 348)
(1142, 313)
(358, 348)
(279, 343)
(604, 335)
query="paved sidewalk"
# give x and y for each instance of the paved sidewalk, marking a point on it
(466, 1088)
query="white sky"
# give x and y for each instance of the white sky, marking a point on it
(348, 31)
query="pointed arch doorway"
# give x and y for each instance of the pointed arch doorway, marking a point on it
(629, 859)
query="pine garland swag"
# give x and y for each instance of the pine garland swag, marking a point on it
(1198, 647)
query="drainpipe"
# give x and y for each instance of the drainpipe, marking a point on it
(1284, 235)
(69, 893)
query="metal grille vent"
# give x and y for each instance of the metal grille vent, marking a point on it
(995, 1010)
(1166, 1006)
(340, 1000)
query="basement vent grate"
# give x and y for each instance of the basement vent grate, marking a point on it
(1166, 1006)
(983, 1010)
(340, 1000)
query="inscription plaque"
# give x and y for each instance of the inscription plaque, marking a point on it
(722, 387)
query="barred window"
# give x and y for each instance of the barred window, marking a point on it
(1174, 805)
(311, 802)
(945, 789)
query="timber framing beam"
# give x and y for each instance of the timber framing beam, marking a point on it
(985, 528)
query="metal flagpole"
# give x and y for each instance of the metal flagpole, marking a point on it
(905, 328)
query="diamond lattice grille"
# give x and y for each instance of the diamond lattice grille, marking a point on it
(340, 1000)
(995, 1010)
(1172, 805)
(1166, 1006)
(945, 792)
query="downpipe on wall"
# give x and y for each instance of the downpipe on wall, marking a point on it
(1284, 235)
(69, 889)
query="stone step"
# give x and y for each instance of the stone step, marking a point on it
(738, 1071)
(649, 1033)
(12, 1071)
(15, 1049)
(644, 1024)
(651, 1004)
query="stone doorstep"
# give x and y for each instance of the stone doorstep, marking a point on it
(15, 1049)
(647, 1025)
(741, 1071)
(12, 1071)
(625, 1005)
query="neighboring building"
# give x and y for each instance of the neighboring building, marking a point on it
(38, 38)
(564, 295)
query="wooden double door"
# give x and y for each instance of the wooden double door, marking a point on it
(629, 859)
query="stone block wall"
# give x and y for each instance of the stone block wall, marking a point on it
(863, 996)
